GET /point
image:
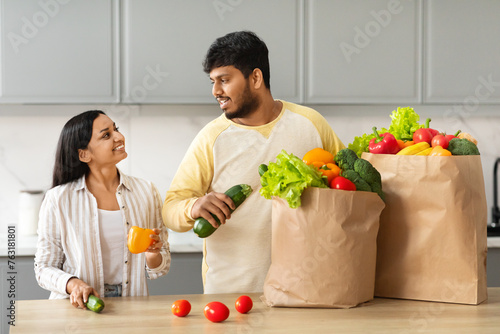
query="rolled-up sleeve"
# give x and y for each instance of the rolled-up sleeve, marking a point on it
(164, 266)
(49, 257)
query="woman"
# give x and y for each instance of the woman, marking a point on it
(86, 215)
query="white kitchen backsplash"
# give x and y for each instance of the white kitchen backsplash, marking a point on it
(158, 135)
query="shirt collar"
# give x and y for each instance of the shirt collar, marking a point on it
(80, 183)
(124, 180)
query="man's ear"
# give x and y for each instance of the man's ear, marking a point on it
(84, 155)
(257, 78)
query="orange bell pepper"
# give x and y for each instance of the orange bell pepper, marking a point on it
(324, 161)
(403, 144)
(330, 170)
(138, 239)
(439, 151)
(317, 164)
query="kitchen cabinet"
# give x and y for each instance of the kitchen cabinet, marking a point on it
(321, 51)
(363, 51)
(26, 284)
(184, 277)
(165, 42)
(58, 51)
(462, 52)
(493, 267)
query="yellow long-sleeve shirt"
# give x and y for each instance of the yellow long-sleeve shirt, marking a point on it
(237, 256)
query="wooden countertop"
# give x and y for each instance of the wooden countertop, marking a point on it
(147, 314)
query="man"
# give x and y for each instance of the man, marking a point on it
(252, 130)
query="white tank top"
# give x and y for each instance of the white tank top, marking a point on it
(112, 245)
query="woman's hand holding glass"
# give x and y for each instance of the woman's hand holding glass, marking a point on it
(153, 256)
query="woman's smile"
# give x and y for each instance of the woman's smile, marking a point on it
(119, 148)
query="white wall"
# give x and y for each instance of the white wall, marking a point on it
(158, 135)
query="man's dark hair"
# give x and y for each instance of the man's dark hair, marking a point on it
(242, 49)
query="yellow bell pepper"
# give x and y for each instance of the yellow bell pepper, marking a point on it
(138, 239)
(439, 151)
(318, 155)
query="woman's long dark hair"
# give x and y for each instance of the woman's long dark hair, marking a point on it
(75, 135)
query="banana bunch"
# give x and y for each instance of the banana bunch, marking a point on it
(422, 148)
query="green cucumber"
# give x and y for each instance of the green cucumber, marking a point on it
(95, 304)
(238, 193)
(262, 169)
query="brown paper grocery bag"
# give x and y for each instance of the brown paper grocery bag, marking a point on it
(432, 238)
(323, 253)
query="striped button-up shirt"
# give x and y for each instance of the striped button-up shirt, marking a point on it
(69, 242)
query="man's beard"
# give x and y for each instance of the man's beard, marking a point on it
(249, 103)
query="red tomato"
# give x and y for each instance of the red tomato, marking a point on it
(181, 308)
(243, 304)
(216, 312)
(342, 183)
(421, 135)
(440, 140)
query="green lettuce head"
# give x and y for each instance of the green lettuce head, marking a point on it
(288, 177)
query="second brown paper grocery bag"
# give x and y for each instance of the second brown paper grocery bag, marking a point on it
(432, 241)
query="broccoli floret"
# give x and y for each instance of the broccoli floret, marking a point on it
(354, 177)
(345, 159)
(459, 146)
(377, 188)
(371, 175)
(359, 171)
(367, 172)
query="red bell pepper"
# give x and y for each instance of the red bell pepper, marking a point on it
(383, 144)
(342, 183)
(424, 134)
